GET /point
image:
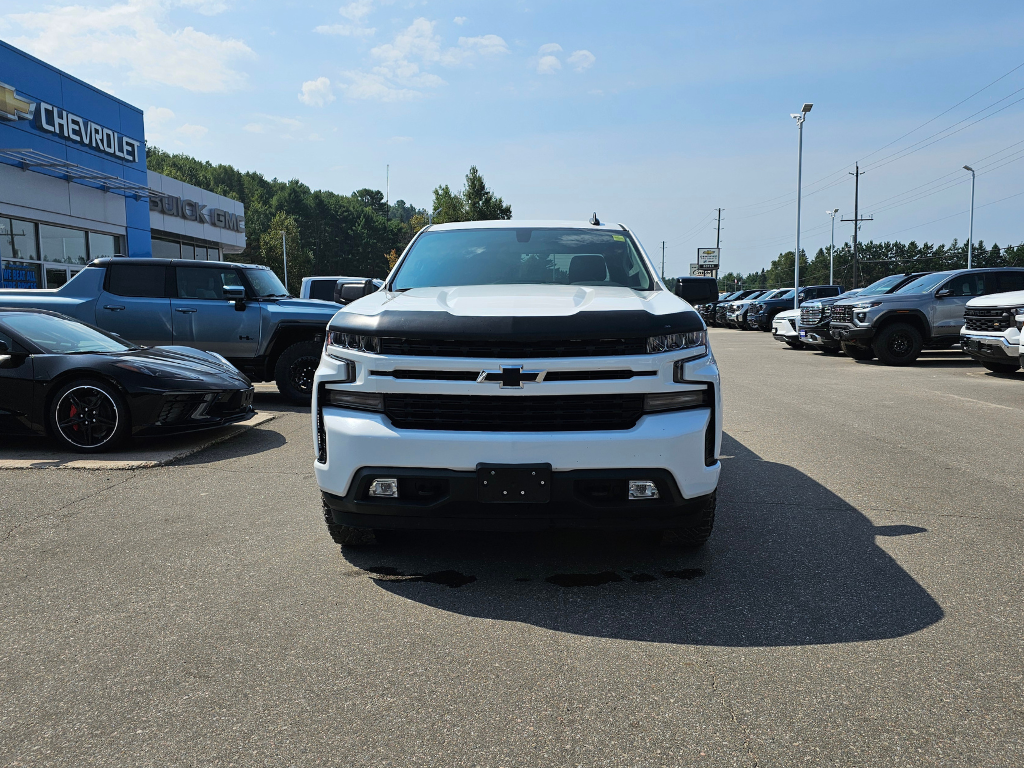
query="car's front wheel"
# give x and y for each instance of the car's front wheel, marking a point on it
(88, 416)
(699, 530)
(898, 344)
(295, 370)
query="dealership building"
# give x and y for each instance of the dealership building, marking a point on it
(74, 185)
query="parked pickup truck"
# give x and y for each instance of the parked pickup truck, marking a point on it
(240, 311)
(520, 375)
(762, 312)
(927, 312)
(991, 334)
(322, 287)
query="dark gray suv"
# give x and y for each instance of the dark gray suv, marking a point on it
(927, 312)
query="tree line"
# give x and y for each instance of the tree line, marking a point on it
(327, 233)
(874, 261)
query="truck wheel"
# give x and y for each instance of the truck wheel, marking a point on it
(347, 535)
(295, 370)
(696, 534)
(88, 416)
(796, 344)
(857, 353)
(1002, 367)
(898, 344)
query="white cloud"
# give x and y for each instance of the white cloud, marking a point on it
(486, 45)
(254, 128)
(205, 7)
(135, 36)
(158, 116)
(400, 71)
(550, 48)
(460, 20)
(357, 11)
(548, 65)
(193, 131)
(317, 93)
(346, 30)
(582, 60)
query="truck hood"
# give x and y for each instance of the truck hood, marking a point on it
(519, 312)
(1011, 299)
(312, 310)
(519, 301)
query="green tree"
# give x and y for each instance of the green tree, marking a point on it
(475, 202)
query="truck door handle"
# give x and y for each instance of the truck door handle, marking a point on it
(113, 307)
(185, 310)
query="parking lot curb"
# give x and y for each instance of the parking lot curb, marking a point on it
(51, 459)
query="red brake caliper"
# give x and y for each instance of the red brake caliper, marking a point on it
(71, 415)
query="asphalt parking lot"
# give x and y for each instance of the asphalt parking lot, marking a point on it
(858, 605)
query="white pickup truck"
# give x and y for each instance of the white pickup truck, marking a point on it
(990, 333)
(519, 376)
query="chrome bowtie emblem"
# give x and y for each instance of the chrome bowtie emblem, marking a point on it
(511, 376)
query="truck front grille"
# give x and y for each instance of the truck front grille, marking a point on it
(810, 315)
(489, 413)
(512, 349)
(842, 313)
(988, 319)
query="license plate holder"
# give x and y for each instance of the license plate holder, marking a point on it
(972, 344)
(513, 483)
(803, 334)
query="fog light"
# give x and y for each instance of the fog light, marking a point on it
(384, 488)
(364, 401)
(643, 489)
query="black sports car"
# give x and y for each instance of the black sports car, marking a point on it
(90, 390)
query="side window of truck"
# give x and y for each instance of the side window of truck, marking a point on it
(322, 289)
(204, 283)
(137, 280)
(968, 285)
(1009, 281)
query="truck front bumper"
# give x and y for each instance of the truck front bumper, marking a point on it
(993, 348)
(670, 449)
(851, 333)
(818, 336)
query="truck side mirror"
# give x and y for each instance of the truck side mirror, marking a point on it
(945, 292)
(347, 291)
(235, 293)
(4, 347)
(697, 290)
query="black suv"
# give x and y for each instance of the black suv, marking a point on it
(707, 311)
(763, 311)
(815, 316)
(724, 302)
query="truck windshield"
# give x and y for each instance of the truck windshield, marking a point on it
(266, 284)
(884, 285)
(56, 336)
(523, 257)
(924, 284)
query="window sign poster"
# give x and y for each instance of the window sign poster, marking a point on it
(19, 276)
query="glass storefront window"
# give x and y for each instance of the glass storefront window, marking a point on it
(20, 274)
(18, 240)
(56, 276)
(101, 246)
(188, 252)
(65, 246)
(164, 249)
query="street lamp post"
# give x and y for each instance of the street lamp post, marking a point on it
(832, 247)
(284, 257)
(800, 117)
(970, 236)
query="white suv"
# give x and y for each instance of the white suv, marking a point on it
(990, 334)
(519, 375)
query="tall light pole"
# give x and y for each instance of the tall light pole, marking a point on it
(800, 117)
(970, 237)
(832, 248)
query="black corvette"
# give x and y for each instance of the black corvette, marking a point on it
(89, 390)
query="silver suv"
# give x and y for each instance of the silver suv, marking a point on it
(927, 312)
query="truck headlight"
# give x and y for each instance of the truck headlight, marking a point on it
(867, 305)
(353, 341)
(676, 341)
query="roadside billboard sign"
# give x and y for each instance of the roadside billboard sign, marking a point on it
(709, 257)
(696, 270)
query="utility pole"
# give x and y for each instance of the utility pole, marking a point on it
(970, 237)
(284, 256)
(832, 247)
(799, 181)
(856, 216)
(387, 193)
(662, 259)
(718, 231)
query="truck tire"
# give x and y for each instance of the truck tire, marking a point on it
(347, 535)
(898, 344)
(796, 344)
(857, 353)
(88, 416)
(695, 535)
(295, 369)
(1002, 367)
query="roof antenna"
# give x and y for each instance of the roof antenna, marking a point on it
(594, 220)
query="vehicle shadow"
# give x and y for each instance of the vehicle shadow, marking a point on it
(790, 563)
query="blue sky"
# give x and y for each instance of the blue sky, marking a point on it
(652, 114)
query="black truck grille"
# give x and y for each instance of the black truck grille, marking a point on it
(842, 313)
(988, 319)
(488, 413)
(512, 349)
